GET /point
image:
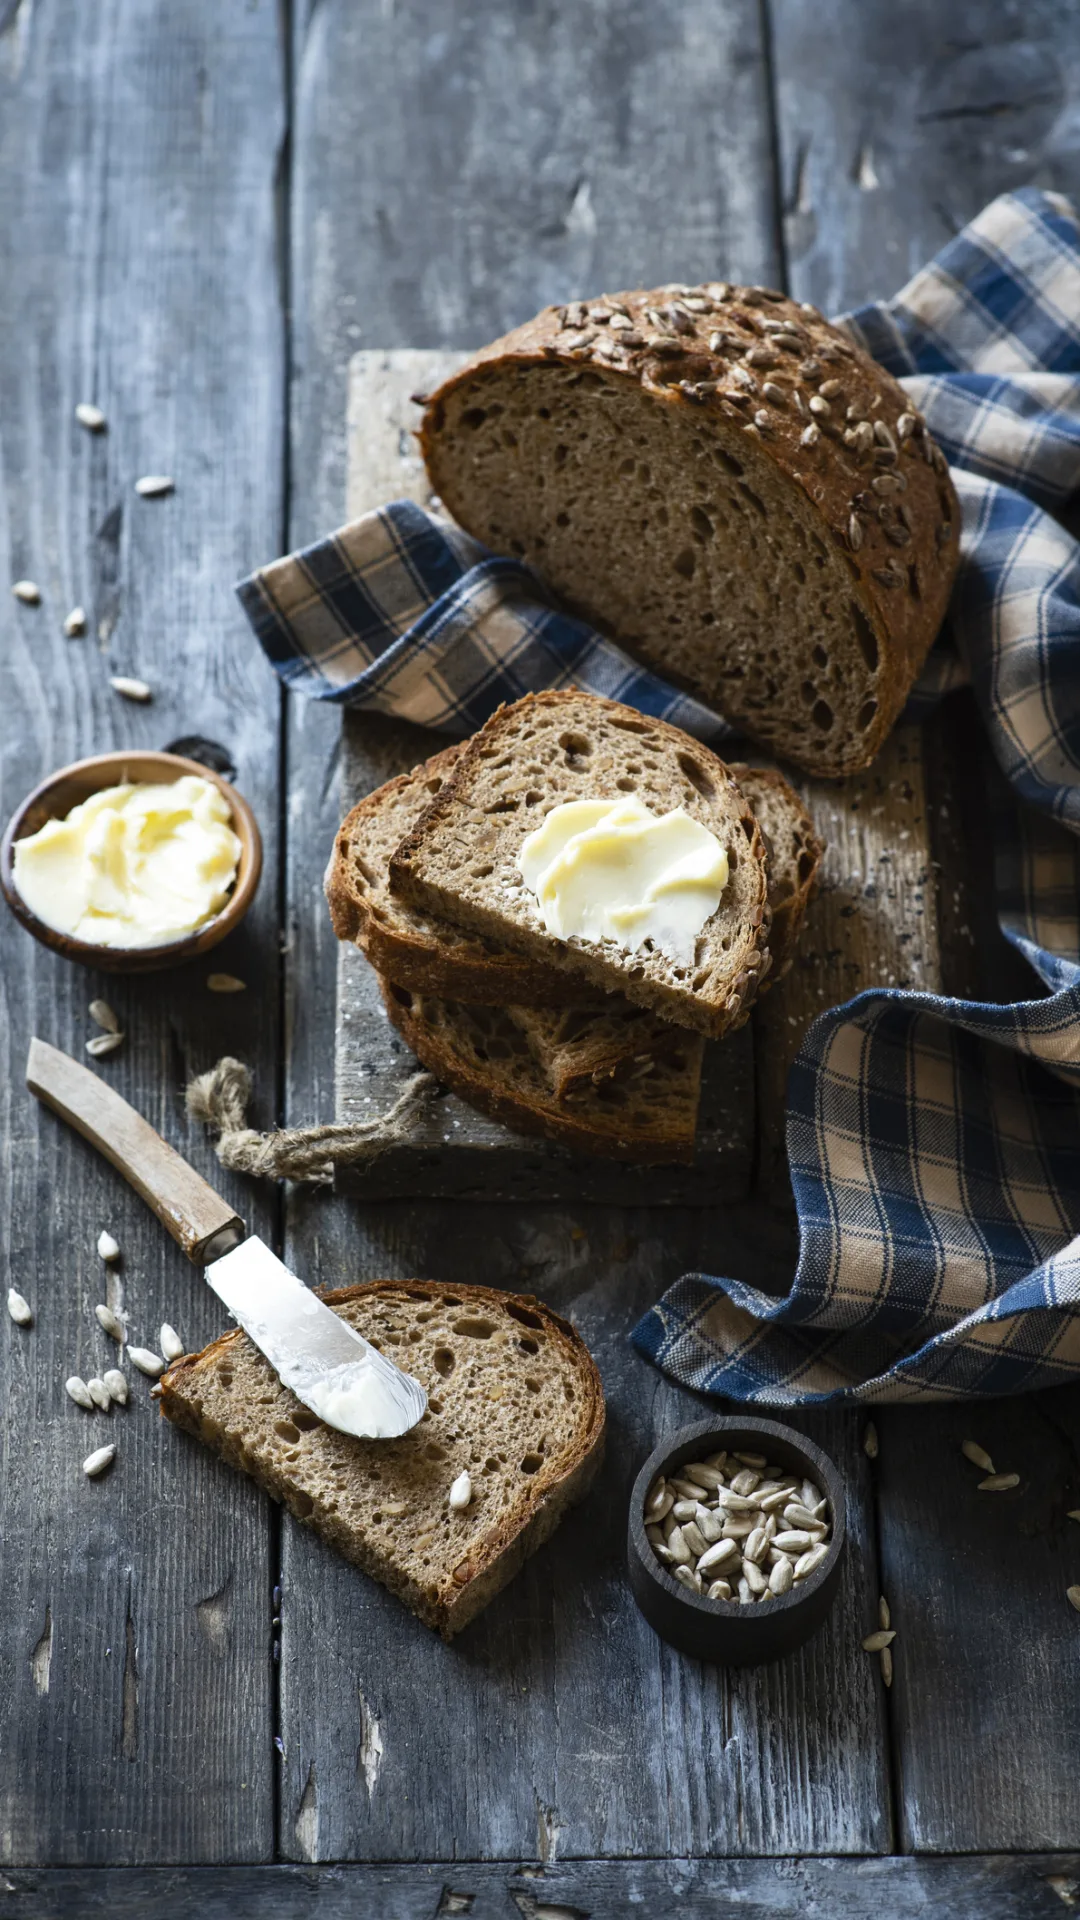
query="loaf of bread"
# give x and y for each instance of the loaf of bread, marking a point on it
(500, 1061)
(515, 1402)
(728, 486)
(459, 863)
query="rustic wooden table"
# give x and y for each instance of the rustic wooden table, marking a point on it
(205, 211)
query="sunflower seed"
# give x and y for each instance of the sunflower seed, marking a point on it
(170, 1342)
(678, 1548)
(999, 1483)
(110, 1323)
(886, 1665)
(810, 1495)
(810, 435)
(739, 1526)
(710, 1525)
(754, 1577)
(756, 1545)
(117, 1385)
(704, 1475)
(694, 1539)
(884, 1618)
(855, 532)
(28, 592)
(78, 1391)
(99, 1394)
(809, 1561)
(771, 392)
(874, 1642)
(724, 1554)
(152, 486)
(794, 1540)
(655, 1536)
(720, 1590)
(734, 1502)
(101, 1011)
(797, 1515)
(782, 1577)
(685, 1509)
(108, 1248)
(103, 1043)
(978, 1456)
(771, 1502)
(225, 983)
(90, 417)
(688, 1578)
(746, 1597)
(19, 1309)
(745, 1482)
(75, 624)
(1073, 1513)
(870, 1441)
(129, 689)
(659, 1502)
(149, 1363)
(1072, 1595)
(830, 389)
(905, 426)
(96, 1463)
(819, 406)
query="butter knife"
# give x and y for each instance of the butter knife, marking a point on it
(314, 1352)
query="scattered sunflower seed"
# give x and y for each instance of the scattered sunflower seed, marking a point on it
(225, 983)
(460, 1493)
(884, 1617)
(130, 689)
(19, 1308)
(875, 1642)
(103, 1043)
(149, 1363)
(101, 1011)
(99, 1394)
(98, 1462)
(78, 1391)
(110, 1323)
(886, 1665)
(117, 1386)
(75, 624)
(90, 417)
(1072, 1595)
(1073, 1513)
(153, 486)
(108, 1248)
(999, 1483)
(870, 1441)
(978, 1456)
(170, 1342)
(28, 592)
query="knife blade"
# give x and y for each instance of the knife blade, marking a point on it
(345, 1380)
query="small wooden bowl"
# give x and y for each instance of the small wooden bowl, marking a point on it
(723, 1631)
(54, 799)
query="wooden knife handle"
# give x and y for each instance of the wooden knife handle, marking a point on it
(194, 1214)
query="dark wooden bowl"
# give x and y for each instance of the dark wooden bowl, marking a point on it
(54, 799)
(723, 1631)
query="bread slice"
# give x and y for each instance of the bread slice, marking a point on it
(459, 862)
(515, 1401)
(403, 942)
(580, 1047)
(795, 854)
(726, 484)
(485, 1054)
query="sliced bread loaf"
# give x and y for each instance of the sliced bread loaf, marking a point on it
(459, 862)
(726, 484)
(795, 854)
(405, 943)
(493, 1058)
(515, 1402)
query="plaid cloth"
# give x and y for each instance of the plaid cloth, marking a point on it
(934, 1144)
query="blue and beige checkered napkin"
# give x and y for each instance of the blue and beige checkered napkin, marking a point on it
(934, 1144)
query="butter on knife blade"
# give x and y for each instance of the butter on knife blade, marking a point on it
(316, 1354)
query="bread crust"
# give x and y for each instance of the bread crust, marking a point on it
(492, 1562)
(788, 901)
(584, 957)
(552, 1117)
(901, 552)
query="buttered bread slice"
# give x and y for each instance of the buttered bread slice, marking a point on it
(461, 861)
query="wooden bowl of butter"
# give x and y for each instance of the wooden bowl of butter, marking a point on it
(131, 861)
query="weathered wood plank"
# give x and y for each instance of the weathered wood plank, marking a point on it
(890, 140)
(137, 157)
(995, 1887)
(428, 212)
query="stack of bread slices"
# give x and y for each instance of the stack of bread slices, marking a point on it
(591, 1043)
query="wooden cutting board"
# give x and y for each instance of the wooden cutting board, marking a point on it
(874, 922)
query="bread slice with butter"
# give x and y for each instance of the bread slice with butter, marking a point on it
(514, 1401)
(459, 863)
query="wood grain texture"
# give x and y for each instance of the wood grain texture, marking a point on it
(891, 137)
(995, 1887)
(512, 162)
(137, 156)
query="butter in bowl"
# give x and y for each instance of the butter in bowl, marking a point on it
(131, 861)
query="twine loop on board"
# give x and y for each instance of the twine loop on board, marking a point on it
(220, 1099)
